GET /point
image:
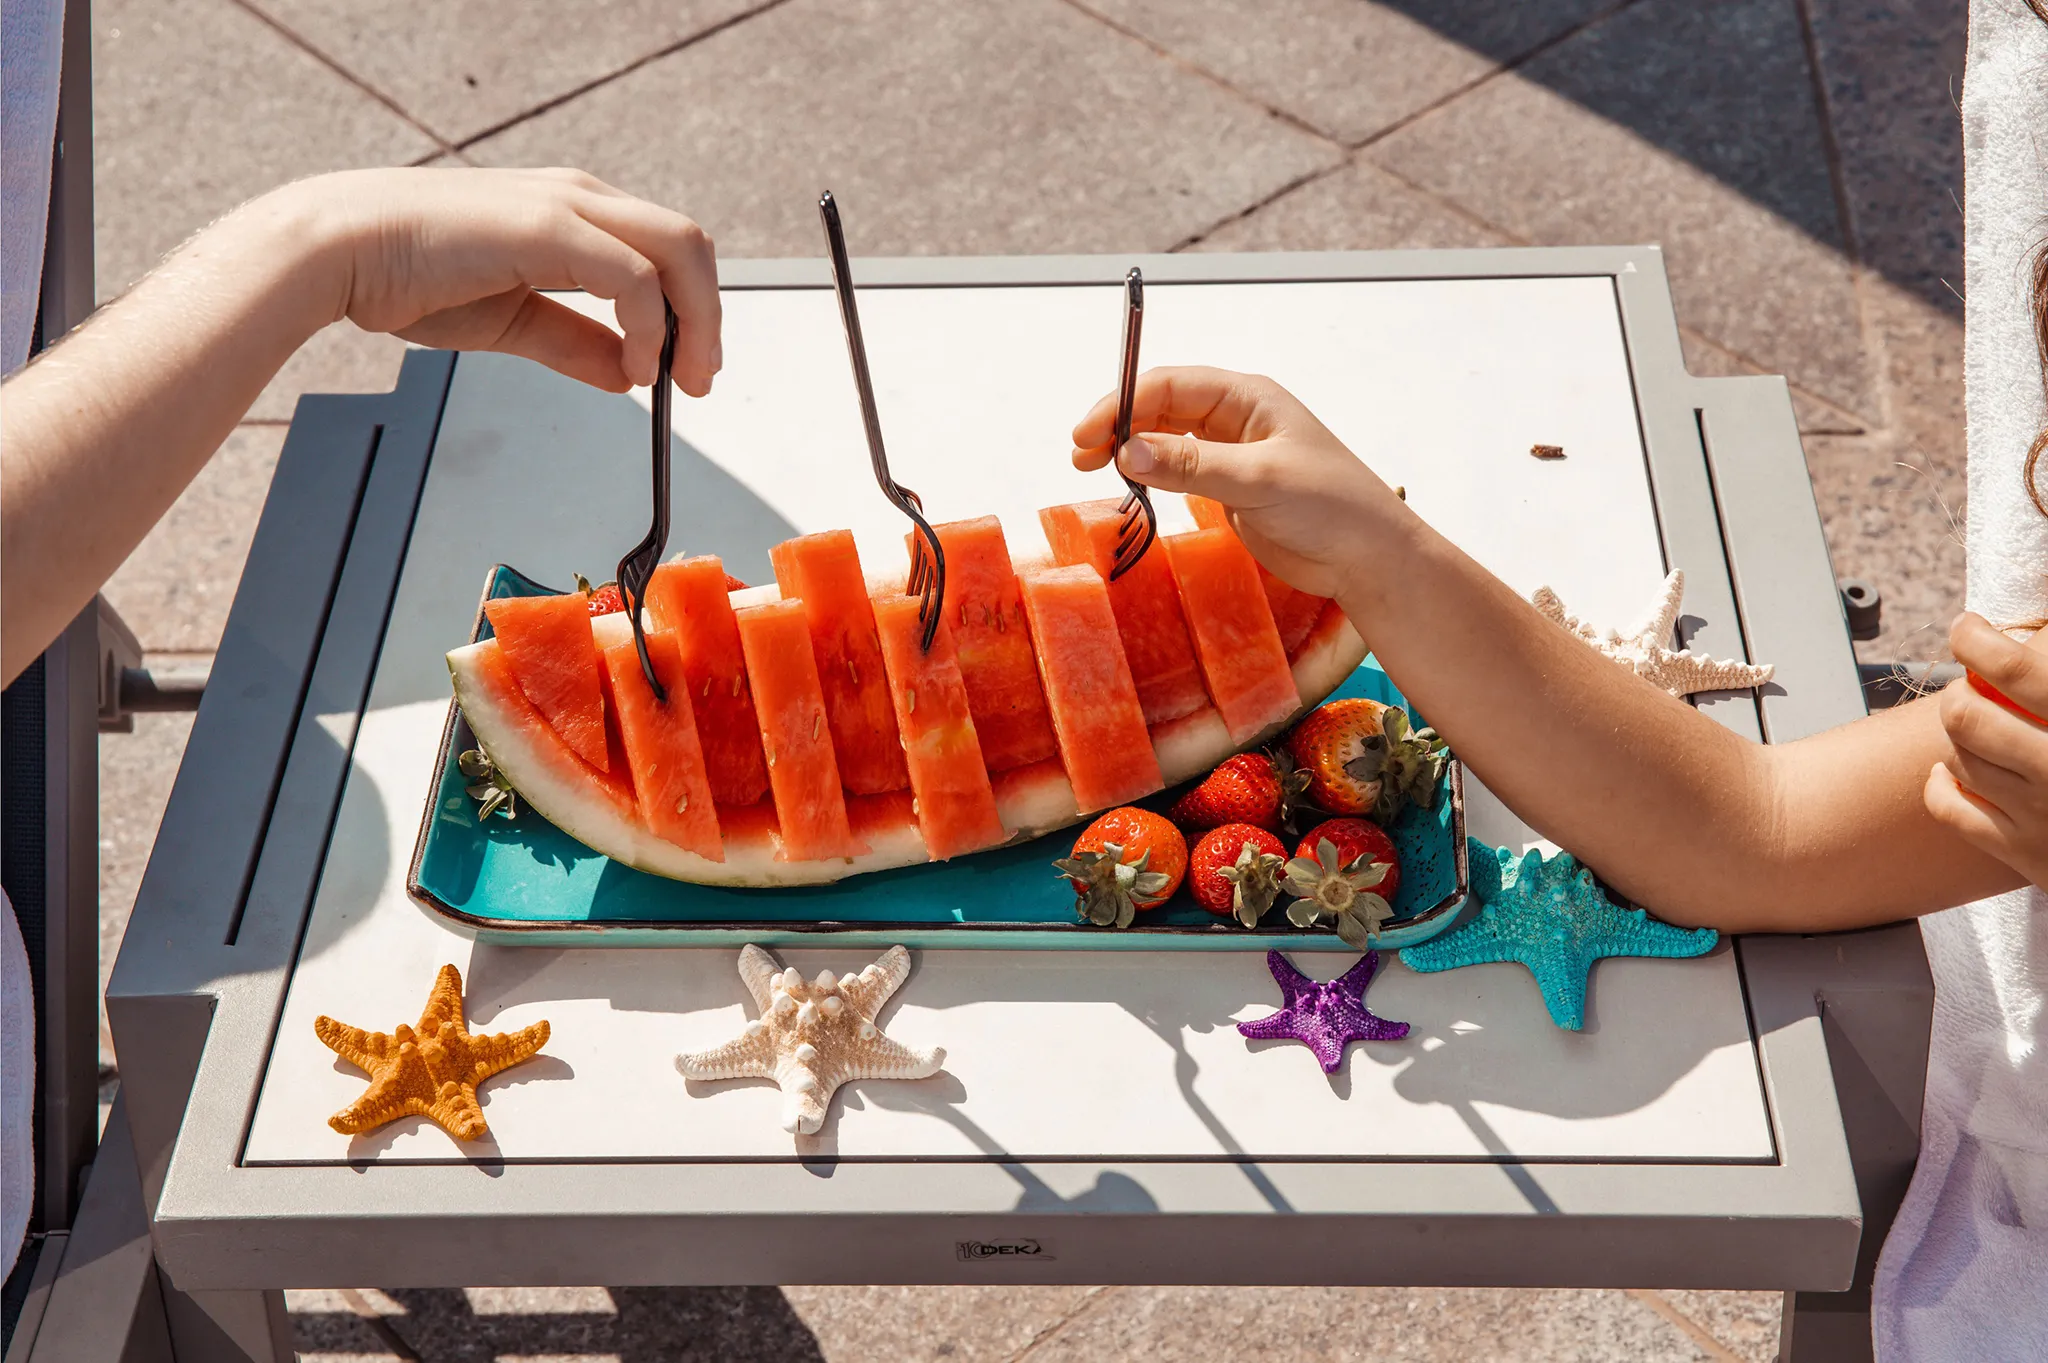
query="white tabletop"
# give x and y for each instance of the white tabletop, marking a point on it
(1443, 385)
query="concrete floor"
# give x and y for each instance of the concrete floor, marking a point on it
(1797, 159)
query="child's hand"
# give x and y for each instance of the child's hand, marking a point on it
(1296, 495)
(1994, 788)
(453, 258)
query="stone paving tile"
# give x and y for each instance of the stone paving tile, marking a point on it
(342, 358)
(200, 106)
(1691, 126)
(463, 66)
(913, 1324)
(1366, 1325)
(942, 128)
(175, 589)
(1746, 1323)
(1346, 69)
(1358, 207)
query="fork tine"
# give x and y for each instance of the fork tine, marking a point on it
(637, 567)
(927, 574)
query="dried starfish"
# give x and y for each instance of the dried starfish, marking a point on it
(1323, 1015)
(432, 1072)
(1645, 648)
(813, 1036)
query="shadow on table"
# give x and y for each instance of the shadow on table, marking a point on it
(646, 1325)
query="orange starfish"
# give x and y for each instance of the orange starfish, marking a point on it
(432, 1072)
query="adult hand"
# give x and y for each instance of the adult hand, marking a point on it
(455, 259)
(1993, 789)
(1296, 496)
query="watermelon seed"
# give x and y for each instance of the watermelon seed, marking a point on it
(683, 805)
(852, 672)
(1001, 619)
(817, 726)
(707, 688)
(910, 700)
(736, 686)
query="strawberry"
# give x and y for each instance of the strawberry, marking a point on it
(1253, 788)
(1128, 859)
(1362, 758)
(733, 584)
(1356, 839)
(1235, 870)
(1992, 693)
(604, 600)
(1351, 893)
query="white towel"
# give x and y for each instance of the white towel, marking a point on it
(1964, 1273)
(31, 59)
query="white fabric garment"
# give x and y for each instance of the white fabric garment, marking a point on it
(31, 65)
(1964, 1273)
(17, 1088)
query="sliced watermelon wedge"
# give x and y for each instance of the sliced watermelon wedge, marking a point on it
(823, 572)
(985, 612)
(1148, 612)
(1095, 710)
(548, 648)
(1294, 612)
(662, 751)
(689, 598)
(803, 772)
(1242, 658)
(955, 807)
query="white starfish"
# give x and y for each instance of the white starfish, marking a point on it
(812, 1036)
(1645, 648)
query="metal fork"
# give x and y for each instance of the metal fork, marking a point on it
(1131, 540)
(928, 559)
(637, 567)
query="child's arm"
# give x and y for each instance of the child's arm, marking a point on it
(1674, 810)
(103, 431)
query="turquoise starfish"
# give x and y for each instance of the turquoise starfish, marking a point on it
(1554, 918)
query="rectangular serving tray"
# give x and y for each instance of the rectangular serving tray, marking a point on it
(524, 880)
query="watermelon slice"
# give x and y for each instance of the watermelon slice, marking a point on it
(1095, 710)
(548, 647)
(1295, 612)
(689, 597)
(803, 773)
(662, 750)
(985, 612)
(1148, 613)
(955, 808)
(803, 827)
(823, 571)
(1242, 658)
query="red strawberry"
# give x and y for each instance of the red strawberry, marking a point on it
(1128, 859)
(1235, 870)
(1992, 693)
(604, 600)
(1253, 788)
(733, 584)
(1355, 839)
(1362, 758)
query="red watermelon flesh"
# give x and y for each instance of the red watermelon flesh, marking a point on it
(1235, 637)
(1294, 612)
(501, 688)
(956, 808)
(1095, 710)
(1148, 611)
(823, 572)
(985, 612)
(803, 773)
(662, 747)
(689, 598)
(547, 645)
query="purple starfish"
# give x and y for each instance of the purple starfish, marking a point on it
(1323, 1016)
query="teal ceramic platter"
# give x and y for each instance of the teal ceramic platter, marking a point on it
(524, 880)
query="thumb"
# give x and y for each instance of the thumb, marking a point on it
(1230, 473)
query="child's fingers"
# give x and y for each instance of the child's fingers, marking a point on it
(565, 341)
(1235, 475)
(687, 260)
(1990, 732)
(1212, 404)
(2014, 668)
(1980, 822)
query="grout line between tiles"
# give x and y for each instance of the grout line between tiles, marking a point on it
(1299, 181)
(298, 40)
(557, 101)
(1691, 1329)
(1079, 1309)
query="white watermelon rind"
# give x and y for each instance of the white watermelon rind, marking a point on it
(1029, 805)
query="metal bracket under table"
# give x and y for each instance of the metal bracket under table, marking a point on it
(1836, 1026)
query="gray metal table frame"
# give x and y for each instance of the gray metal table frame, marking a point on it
(1840, 1023)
